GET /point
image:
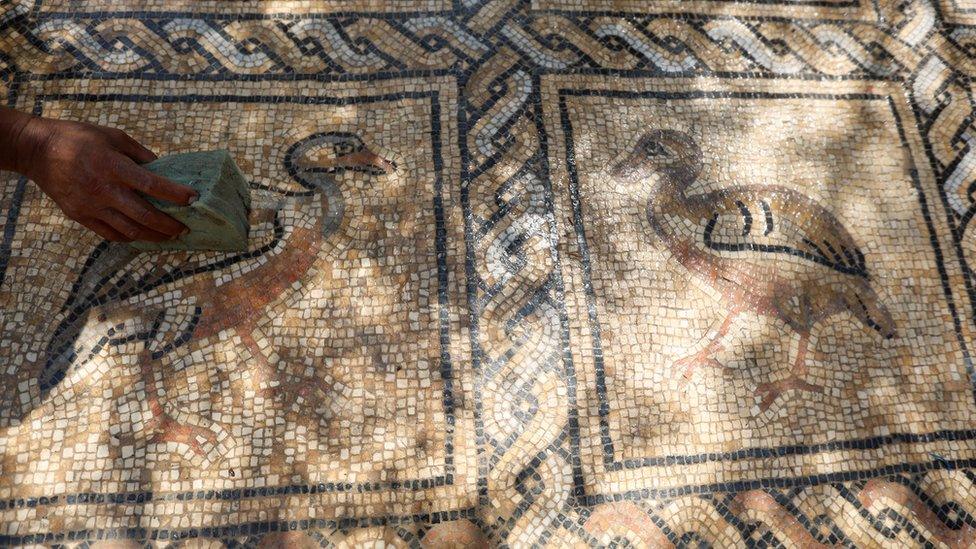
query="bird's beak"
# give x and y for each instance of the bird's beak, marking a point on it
(361, 160)
(367, 159)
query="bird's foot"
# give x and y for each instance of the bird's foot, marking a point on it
(290, 391)
(266, 380)
(169, 430)
(690, 363)
(769, 392)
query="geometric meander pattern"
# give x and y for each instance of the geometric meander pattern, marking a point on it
(503, 367)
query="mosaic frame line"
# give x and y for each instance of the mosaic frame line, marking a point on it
(793, 449)
(438, 210)
(846, 10)
(446, 367)
(38, 11)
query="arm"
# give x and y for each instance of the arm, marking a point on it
(12, 126)
(92, 173)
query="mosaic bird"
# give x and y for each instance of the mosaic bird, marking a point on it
(767, 249)
(116, 280)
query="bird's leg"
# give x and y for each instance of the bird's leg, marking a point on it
(704, 357)
(270, 383)
(769, 392)
(170, 430)
(163, 426)
(266, 375)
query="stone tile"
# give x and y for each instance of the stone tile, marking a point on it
(962, 12)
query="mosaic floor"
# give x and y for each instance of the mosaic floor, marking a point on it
(632, 272)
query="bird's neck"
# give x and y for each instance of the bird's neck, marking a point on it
(672, 186)
(679, 178)
(669, 198)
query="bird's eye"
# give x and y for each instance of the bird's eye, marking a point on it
(654, 148)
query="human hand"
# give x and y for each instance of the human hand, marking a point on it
(92, 173)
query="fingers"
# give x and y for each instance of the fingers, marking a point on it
(143, 213)
(132, 216)
(105, 231)
(129, 146)
(129, 229)
(135, 177)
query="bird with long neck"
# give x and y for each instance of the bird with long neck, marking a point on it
(766, 249)
(205, 306)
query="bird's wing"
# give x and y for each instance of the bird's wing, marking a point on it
(115, 272)
(113, 278)
(776, 220)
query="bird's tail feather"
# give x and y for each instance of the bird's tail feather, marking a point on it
(868, 308)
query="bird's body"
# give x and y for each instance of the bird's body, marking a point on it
(203, 304)
(766, 249)
(758, 246)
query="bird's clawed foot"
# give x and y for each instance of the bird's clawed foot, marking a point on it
(769, 392)
(168, 429)
(690, 363)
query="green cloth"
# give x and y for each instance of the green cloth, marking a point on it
(218, 218)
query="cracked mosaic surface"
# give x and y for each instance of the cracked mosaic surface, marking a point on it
(653, 273)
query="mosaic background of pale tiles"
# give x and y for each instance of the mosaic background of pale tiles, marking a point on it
(649, 273)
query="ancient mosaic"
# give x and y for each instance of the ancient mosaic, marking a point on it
(521, 272)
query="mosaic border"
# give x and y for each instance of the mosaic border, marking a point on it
(254, 8)
(846, 10)
(956, 14)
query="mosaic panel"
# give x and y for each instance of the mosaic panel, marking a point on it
(204, 373)
(774, 237)
(815, 9)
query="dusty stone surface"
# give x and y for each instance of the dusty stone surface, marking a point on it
(539, 273)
